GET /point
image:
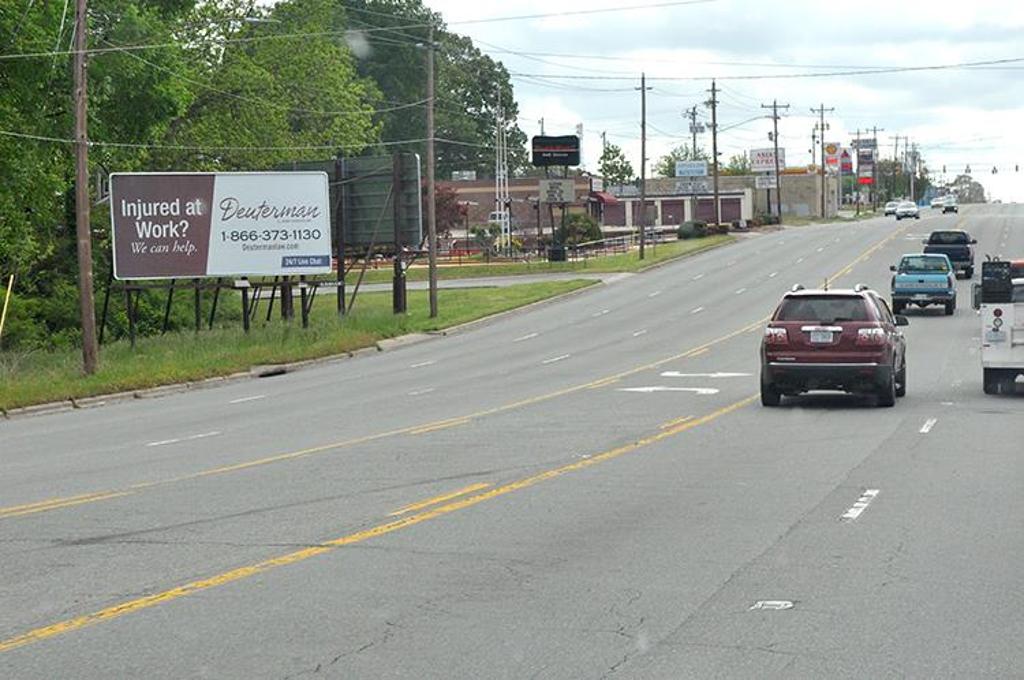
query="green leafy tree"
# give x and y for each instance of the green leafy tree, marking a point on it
(737, 165)
(579, 228)
(968, 190)
(261, 96)
(468, 87)
(666, 165)
(614, 166)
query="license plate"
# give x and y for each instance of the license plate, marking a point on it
(821, 337)
(921, 296)
(995, 336)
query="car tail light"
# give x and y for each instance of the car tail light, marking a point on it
(997, 312)
(776, 336)
(871, 336)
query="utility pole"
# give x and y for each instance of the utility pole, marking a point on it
(913, 168)
(691, 113)
(856, 151)
(874, 168)
(643, 163)
(87, 307)
(713, 103)
(431, 187)
(541, 121)
(821, 111)
(775, 138)
(604, 142)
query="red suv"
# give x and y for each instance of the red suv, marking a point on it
(845, 340)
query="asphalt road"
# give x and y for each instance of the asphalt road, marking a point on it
(536, 498)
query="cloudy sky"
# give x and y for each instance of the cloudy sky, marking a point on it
(957, 117)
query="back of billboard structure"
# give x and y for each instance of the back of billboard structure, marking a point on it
(369, 193)
(193, 225)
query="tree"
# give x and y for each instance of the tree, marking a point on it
(579, 228)
(666, 166)
(738, 165)
(450, 213)
(264, 96)
(468, 86)
(968, 190)
(614, 167)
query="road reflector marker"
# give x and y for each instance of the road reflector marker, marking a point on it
(861, 505)
(771, 605)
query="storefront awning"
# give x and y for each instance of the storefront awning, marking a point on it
(604, 197)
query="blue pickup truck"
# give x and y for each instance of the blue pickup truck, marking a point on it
(922, 280)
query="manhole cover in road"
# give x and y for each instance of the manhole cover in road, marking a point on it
(772, 605)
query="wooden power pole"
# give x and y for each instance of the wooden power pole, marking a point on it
(87, 307)
(431, 188)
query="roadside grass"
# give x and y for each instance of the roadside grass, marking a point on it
(625, 262)
(40, 376)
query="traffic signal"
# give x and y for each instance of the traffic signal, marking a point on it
(1016, 168)
(943, 169)
(995, 170)
(968, 170)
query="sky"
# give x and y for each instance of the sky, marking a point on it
(957, 117)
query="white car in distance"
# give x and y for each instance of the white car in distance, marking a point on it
(907, 209)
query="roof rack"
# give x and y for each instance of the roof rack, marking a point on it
(798, 287)
(861, 287)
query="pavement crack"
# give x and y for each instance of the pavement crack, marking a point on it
(386, 635)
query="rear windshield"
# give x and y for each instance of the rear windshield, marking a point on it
(931, 265)
(948, 238)
(823, 308)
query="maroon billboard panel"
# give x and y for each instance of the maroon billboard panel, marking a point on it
(161, 225)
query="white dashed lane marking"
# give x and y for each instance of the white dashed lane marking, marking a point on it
(698, 310)
(204, 435)
(554, 359)
(242, 400)
(423, 363)
(526, 337)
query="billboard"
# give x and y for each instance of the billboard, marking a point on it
(763, 160)
(367, 203)
(557, 191)
(556, 151)
(832, 151)
(866, 162)
(193, 225)
(845, 162)
(691, 168)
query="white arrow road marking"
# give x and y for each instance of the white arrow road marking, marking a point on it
(861, 505)
(703, 391)
(184, 439)
(245, 399)
(928, 425)
(526, 337)
(554, 359)
(677, 374)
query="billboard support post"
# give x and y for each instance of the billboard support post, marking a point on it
(245, 307)
(398, 296)
(339, 227)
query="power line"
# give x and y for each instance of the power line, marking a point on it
(793, 76)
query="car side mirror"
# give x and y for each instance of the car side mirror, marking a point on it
(892, 267)
(902, 320)
(925, 241)
(974, 241)
(976, 296)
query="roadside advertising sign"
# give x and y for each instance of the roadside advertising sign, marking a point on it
(865, 143)
(557, 191)
(865, 180)
(865, 162)
(691, 186)
(192, 225)
(764, 182)
(846, 162)
(763, 160)
(832, 150)
(556, 151)
(691, 168)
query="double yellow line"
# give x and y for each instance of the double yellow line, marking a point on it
(486, 494)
